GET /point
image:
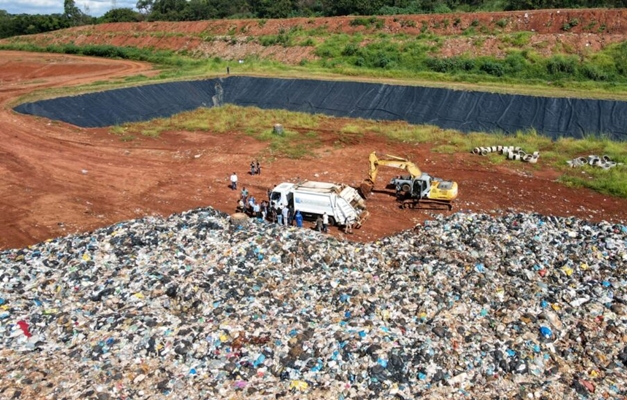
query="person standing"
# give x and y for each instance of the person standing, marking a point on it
(257, 211)
(234, 181)
(279, 214)
(258, 167)
(244, 194)
(272, 210)
(325, 222)
(252, 168)
(241, 206)
(299, 219)
(319, 226)
(290, 215)
(348, 228)
(285, 211)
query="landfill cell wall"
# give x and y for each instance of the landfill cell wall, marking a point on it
(466, 111)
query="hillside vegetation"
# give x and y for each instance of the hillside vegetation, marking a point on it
(582, 50)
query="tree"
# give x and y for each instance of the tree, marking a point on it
(5, 24)
(348, 7)
(145, 6)
(121, 15)
(168, 10)
(227, 8)
(198, 10)
(72, 13)
(274, 8)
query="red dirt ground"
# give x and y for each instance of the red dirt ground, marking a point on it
(57, 179)
(230, 39)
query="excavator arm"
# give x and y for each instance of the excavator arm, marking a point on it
(390, 161)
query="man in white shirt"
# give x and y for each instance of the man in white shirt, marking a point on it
(234, 181)
(325, 222)
(285, 212)
(257, 210)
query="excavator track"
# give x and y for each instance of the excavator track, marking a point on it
(426, 204)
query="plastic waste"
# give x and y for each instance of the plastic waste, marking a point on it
(190, 307)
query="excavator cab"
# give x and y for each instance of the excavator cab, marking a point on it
(421, 188)
(413, 189)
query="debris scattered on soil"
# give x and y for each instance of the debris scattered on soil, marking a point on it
(511, 152)
(190, 307)
(602, 162)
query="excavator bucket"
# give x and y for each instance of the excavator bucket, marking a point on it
(366, 188)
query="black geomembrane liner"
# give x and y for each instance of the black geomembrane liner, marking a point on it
(466, 111)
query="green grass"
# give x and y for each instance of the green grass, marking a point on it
(300, 140)
(117, 130)
(290, 144)
(611, 182)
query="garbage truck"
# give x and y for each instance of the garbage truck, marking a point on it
(342, 203)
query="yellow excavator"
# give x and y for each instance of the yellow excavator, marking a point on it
(413, 190)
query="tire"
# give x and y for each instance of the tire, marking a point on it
(405, 187)
(331, 221)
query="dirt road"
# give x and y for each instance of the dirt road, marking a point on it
(57, 179)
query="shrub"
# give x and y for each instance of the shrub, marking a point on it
(466, 64)
(269, 40)
(501, 23)
(382, 60)
(492, 68)
(594, 73)
(350, 50)
(367, 22)
(521, 39)
(515, 63)
(570, 24)
(559, 65)
(437, 64)
(408, 23)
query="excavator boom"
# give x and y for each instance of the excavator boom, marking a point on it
(418, 188)
(390, 161)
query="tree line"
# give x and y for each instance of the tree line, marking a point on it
(197, 10)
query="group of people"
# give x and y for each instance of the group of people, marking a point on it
(255, 168)
(274, 212)
(249, 205)
(285, 215)
(282, 215)
(265, 210)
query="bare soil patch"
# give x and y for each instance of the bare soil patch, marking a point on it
(553, 31)
(57, 179)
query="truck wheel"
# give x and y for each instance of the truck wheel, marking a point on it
(405, 187)
(331, 221)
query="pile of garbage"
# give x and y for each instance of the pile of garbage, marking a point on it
(190, 307)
